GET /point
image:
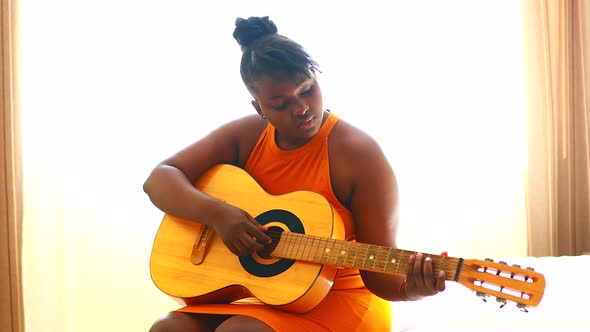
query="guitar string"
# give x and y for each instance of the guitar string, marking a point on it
(380, 262)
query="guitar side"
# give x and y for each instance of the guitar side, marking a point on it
(222, 276)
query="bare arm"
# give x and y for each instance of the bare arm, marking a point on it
(170, 185)
(374, 205)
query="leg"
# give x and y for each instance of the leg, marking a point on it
(186, 322)
(243, 324)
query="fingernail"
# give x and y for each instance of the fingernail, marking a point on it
(427, 259)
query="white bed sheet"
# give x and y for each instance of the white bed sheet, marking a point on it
(564, 306)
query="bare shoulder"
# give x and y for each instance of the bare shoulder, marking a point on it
(230, 143)
(247, 130)
(353, 146)
(357, 163)
(238, 138)
(242, 129)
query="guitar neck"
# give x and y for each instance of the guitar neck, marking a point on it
(357, 255)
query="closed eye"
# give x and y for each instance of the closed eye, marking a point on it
(308, 91)
(281, 107)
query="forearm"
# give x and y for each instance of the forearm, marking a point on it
(170, 191)
(387, 286)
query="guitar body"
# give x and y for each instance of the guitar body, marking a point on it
(192, 268)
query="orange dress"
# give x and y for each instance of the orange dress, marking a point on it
(349, 306)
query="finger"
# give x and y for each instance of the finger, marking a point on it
(262, 237)
(410, 270)
(429, 280)
(259, 236)
(259, 232)
(441, 281)
(234, 249)
(418, 266)
(250, 243)
(231, 247)
(243, 250)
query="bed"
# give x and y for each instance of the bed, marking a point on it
(563, 307)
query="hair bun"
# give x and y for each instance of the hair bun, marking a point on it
(249, 30)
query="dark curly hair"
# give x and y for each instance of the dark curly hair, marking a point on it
(265, 53)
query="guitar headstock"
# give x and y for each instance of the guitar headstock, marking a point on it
(505, 282)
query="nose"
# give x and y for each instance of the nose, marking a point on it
(300, 107)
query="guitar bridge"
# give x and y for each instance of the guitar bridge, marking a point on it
(200, 245)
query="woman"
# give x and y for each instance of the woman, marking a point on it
(291, 144)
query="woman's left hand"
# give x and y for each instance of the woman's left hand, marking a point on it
(420, 279)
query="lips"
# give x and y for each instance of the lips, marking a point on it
(308, 123)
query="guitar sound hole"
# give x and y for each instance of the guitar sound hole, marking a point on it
(274, 232)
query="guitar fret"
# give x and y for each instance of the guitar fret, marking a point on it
(364, 254)
(374, 255)
(300, 247)
(379, 260)
(385, 258)
(355, 251)
(327, 251)
(369, 258)
(319, 250)
(331, 251)
(287, 246)
(359, 255)
(348, 251)
(389, 260)
(296, 246)
(335, 252)
(323, 249)
(310, 247)
(401, 260)
(291, 246)
(344, 253)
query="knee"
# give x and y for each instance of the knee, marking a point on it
(243, 324)
(174, 322)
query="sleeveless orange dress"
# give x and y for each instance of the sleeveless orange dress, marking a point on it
(349, 306)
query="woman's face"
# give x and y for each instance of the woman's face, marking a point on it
(293, 106)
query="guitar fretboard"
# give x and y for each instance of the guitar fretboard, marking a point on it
(356, 255)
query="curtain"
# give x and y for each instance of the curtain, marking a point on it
(11, 298)
(111, 87)
(557, 39)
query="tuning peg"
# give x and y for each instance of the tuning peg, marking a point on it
(522, 307)
(482, 295)
(526, 278)
(502, 301)
(513, 274)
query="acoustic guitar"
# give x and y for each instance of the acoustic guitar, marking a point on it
(190, 263)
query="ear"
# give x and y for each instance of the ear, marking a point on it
(257, 107)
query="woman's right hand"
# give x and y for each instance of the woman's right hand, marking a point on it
(240, 232)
